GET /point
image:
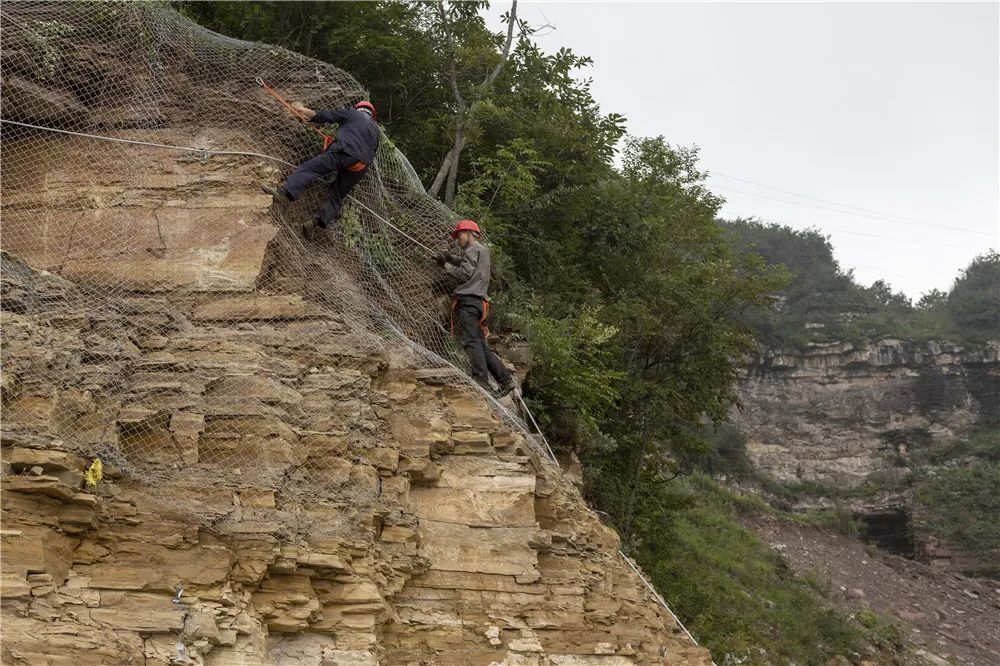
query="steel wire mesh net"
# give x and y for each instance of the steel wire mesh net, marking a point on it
(159, 312)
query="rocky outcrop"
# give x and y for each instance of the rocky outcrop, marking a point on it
(438, 537)
(836, 413)
(137, 218)
(281, 486)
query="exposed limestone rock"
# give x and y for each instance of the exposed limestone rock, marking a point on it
(836, 413)
(174, 223)
(439, 536)
(37, 104)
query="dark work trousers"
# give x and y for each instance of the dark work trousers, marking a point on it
(325, 163)
(468, 311)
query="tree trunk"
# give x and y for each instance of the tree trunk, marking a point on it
(449, 192)
(442, 172)
(448, 173)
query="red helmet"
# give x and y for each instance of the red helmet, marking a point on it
(365, 104)
(466, 225)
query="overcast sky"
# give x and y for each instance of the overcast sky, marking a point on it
(888, 107)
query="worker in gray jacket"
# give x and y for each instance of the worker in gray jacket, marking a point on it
(470, 305)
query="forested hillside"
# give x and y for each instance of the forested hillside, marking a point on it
(824, 303)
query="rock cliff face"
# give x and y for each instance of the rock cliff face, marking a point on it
(448, 540)
(281, 485)
(836, 413)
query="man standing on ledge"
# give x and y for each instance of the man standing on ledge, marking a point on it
(470, 304)
(348, 157)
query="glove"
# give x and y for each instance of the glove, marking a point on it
(441, 258)
(304, 113)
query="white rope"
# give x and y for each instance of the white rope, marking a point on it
(537, 428)
(393, 226)
(200, 151)
(656, 595)
(208, 151)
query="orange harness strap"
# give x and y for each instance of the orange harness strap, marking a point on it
(482, 320)
(327, 139)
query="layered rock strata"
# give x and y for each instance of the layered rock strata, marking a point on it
(280, 485)
(836, 413)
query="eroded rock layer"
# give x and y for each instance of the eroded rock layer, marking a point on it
(836, 413)
(306, 495)
(448, 540)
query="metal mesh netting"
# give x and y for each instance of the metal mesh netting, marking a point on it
(120, 251)
(157, 311)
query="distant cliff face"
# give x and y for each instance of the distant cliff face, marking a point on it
(835, 413)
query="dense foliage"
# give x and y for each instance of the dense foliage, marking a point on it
(824, 303)
(739, 594)
(958, 502)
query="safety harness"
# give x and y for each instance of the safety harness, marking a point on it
(482, 320)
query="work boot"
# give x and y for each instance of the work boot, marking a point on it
(485, 385)
(279, 195)
(506, 387)
(309, 230)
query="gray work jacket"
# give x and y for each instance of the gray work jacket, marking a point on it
(472, 271)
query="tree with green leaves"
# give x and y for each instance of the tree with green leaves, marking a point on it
(823, 303)
(974, 300)
(458, 25)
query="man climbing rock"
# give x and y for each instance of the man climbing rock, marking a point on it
(348, 157)
(470, 305)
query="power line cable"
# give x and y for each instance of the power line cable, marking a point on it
(857, 233)
(844, 212)
(901, 218)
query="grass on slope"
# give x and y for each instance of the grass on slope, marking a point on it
(741, 599)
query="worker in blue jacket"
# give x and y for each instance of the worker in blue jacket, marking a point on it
(348, 156)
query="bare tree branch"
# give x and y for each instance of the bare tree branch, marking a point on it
(441, 174)
(448, 172)
(488, 81)
(452, 65)
(455, 151)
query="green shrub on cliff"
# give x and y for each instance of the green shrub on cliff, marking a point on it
(974, 301)
(960, 503)
(739, 596)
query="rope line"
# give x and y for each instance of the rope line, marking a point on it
(656, 595)
(207, 151)
(390, 224)
(537, 428)
(327, 139)
(200, 151)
